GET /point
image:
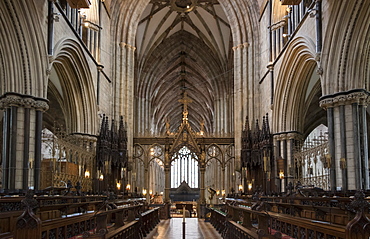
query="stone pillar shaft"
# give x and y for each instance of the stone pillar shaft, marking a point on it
(202, 186)
(26, 151)
(333, 181)
(22, 115)
(343, 149)
(348, 148)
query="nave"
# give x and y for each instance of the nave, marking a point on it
(173, 228)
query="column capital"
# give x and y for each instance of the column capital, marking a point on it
(27, 101)
(295, 135)
(9, 100)
(359, 96)
(41, 105)
(288, 135)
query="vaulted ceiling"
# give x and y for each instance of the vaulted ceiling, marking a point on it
(182, 45)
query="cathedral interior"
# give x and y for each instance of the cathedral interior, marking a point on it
(247, 115)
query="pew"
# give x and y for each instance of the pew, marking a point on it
(297, 217)
(90, 217)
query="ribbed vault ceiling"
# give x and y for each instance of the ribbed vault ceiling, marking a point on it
(182, 45)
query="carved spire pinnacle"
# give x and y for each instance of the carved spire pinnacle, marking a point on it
(246, 126)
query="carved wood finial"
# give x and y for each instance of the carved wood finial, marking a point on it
(359, 227)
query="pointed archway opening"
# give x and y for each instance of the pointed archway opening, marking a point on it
(184, 168)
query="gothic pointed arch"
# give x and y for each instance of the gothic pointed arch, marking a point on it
(75, 87)
(295, 84)
(346, 54)
(244, 17)
(23, 56)
(202, 68)
(185, 136)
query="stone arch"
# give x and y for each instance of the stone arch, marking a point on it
(151, 79)
(76, 81)
(243, 17)
(346, 54)
(23, 56)
(292, 85)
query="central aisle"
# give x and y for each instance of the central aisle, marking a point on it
(195, 229)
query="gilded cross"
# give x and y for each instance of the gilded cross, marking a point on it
(185, 100)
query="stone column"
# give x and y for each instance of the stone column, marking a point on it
(202, 169)
(146, 183)
(348, 146)
(124, 99)
(167, 172)
(240, 87)
(294, 139)
(223, 179)
(285, 144)
(202, 185)
(343, 149)
(22, 140)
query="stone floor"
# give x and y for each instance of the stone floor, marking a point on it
(194, 229)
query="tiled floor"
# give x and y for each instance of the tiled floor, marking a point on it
(194, 229)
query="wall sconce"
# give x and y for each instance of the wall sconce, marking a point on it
(128, 187)
(87, 174)
(119, 186)
(101, 177)
(150, 192)
(249, 186)
(144, 191)
(223, 193)
(281, 174)
(218, 192)
(240, 188)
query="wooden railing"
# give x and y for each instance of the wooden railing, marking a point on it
(47, 208)
(296, 227)
(234, 230)
(327, 209)
(229, 228)
(138, 228)
(66, 217)
(66, 227)
(334, 218)
(218, 219)
(149, 220)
